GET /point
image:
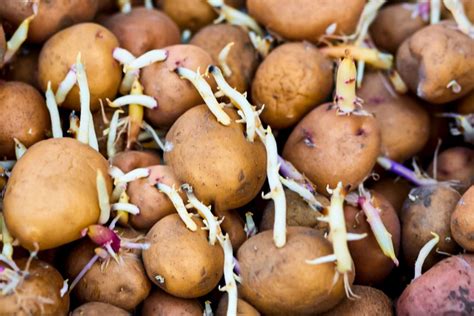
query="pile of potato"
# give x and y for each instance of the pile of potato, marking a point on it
(224, 157)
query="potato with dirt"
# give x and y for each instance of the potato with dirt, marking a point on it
(462, 221)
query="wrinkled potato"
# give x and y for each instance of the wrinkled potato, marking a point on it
(326, 147)
(242, 58)
(174, 95)
(95, 43)
(394, 190)
(142, 30)
(53, 15)
(298, 213)
(98, 309)
(435, 57)
(161, 303)
(216, 160)
(445, 289)
(428, 209)
(233, 225)
(404, 124)
(372, 266)
(24, 117)
(131, 159)
(243, 308)
(462, 221)
(306, 19)
(38, 294)
(292, 80)
(393, 25)
(371, 302)
(278, 281)
(180, 261)
(24, 67)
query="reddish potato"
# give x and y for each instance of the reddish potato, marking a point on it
(462, 221)
(243, 308)
(129, 160)
(456, 164)
(98, 309)
(161, 303)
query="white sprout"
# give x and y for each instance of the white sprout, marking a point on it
(457, 9)
(104, 200)
(229, 276)
(115, 173)
(7, 164)
(146, 59)
(73, 124)
(207, 309)
(125, 6)
(186, 36)
(122, 55)
(93, 142)
(84, 96)
(423, 254)
(323, 259)
(366, 18)
(464, 125)
(160, 279)
(144, 100)
(261, 44)
(454, 86)
(150, 130)
(66, 85)
(64, 289)
(331, 29)
(224, 53)
(149, 4)
(178, 204)
(53, 112)
(126, 207)
(397, 82)
(133, 175)
(435, 11)
(250, 228)
(7, 239)
(302, 192)
(234, 16)
(111, 137)
(17, 38)
(20, 149)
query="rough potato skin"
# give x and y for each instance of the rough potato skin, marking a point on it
(393, 25)
(24, 117)
(242, 59)
(456, 163)
(428, 209)
(434, 56)
(189, 265)
(53, 15)
(462, 221)
(293, 79)
(99, 309)
(216, 160)
(372, 302)
(95, 43)
(278, 281)
(445, 289)
(325, 147)
(404, 123)
(189, 14)
(142, 30)
(306, 19)
(69, 185)
(161, 303)
(174, 94)
(43, 283)
(132, 159)
(243, 308)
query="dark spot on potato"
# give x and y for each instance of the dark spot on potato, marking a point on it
(99, 34)
(360, 132)
(423, 194)
(241, 176)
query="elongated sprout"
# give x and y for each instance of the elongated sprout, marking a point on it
(146, 59)
(17, 39)
(112, 135)
(150, 130)
(223, 54)
(366, 18)
(143, 100)
(457, 10)
(234, 16)
(229, 276)
(66, 85)
(104, 200)
(7, 239)
(178, 204)
(417, 179)
(397, 81)
(84, 96)
(262, 44)
(346, 99)
(123, 56)
(135, 115)
(250, 228)
(125, 6)
(53, 112)
(371, 56)
(464, 125)
(20, 149)
(423, 254)
(304, 193)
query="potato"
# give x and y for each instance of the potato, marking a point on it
(445, 289)
(462, 221)
(428, 209)
(98, 309)
(298, 213)
(404, 123)
(278, 281)
(466, 104)
(243, 308)
(123, 284)
(130, 160)
(153, 204)
(434, 57)
(24, 67)
(180, 261)
(3, 44)
(142, 30)
(24, 117)
(371, 302)
(371, 265)
(69, 185)
(439, 129)
(468, 10)
(306, 19)
(455, 163)
(95, 43)
(160, 303)
(174, 95)
(53, 15)
(189, 14)
(292, 80)
(326, 147)
(393, 25)
(233, 225)
(38, 293)
(216, 160)
(395, 191)
(242, 58)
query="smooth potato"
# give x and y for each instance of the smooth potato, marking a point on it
(462, 221)
(395, 191)
(243, 308)
(189, 14)
(98, 309)
(130, 160)
(163, 304)
(233, 225)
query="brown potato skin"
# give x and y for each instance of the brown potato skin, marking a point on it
(371, 265)
(433, 57)
(53, 15)
(142, 30)
(306, 19)
(462, 221)
(393, 25)
(70, 185)
(189, 14)
(429, 212)
(95, 43)
(98, 309)
(233, 225)
(24, 67)
(404, 123)
(278, 281)
(466, 104)
(243, 308)
(292, 80)
(24, 116)
(340, 143)
(153, 204)
(43, 281)
(372, 302)
(242, 58)
(190, 266)
(395, 191)
(174, 95)
(132, 159)
(216, 160)
(445, 289)
(160, 303)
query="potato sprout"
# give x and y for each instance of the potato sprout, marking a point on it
(6, 239)
(20, 149)
(146, 59)
(84, 96)
(464, 125)
(17, 39)
(73, 125)
(371, 56)
(53, 112)
(11, 276)
(178, 204)
(229, 276)
(423, 254)
(149, 129)
(435, 11)
(135, 115)
(367, 17)
(111, 137)
(103, 195)
(234, 16)
(123, 56)
(346, 99)
(457, 10)
(397, 82)
(261, 44)
(125, 6)
(66, 85)
(223, 59)
(144, 100)
(454, 86)
(250, 228)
